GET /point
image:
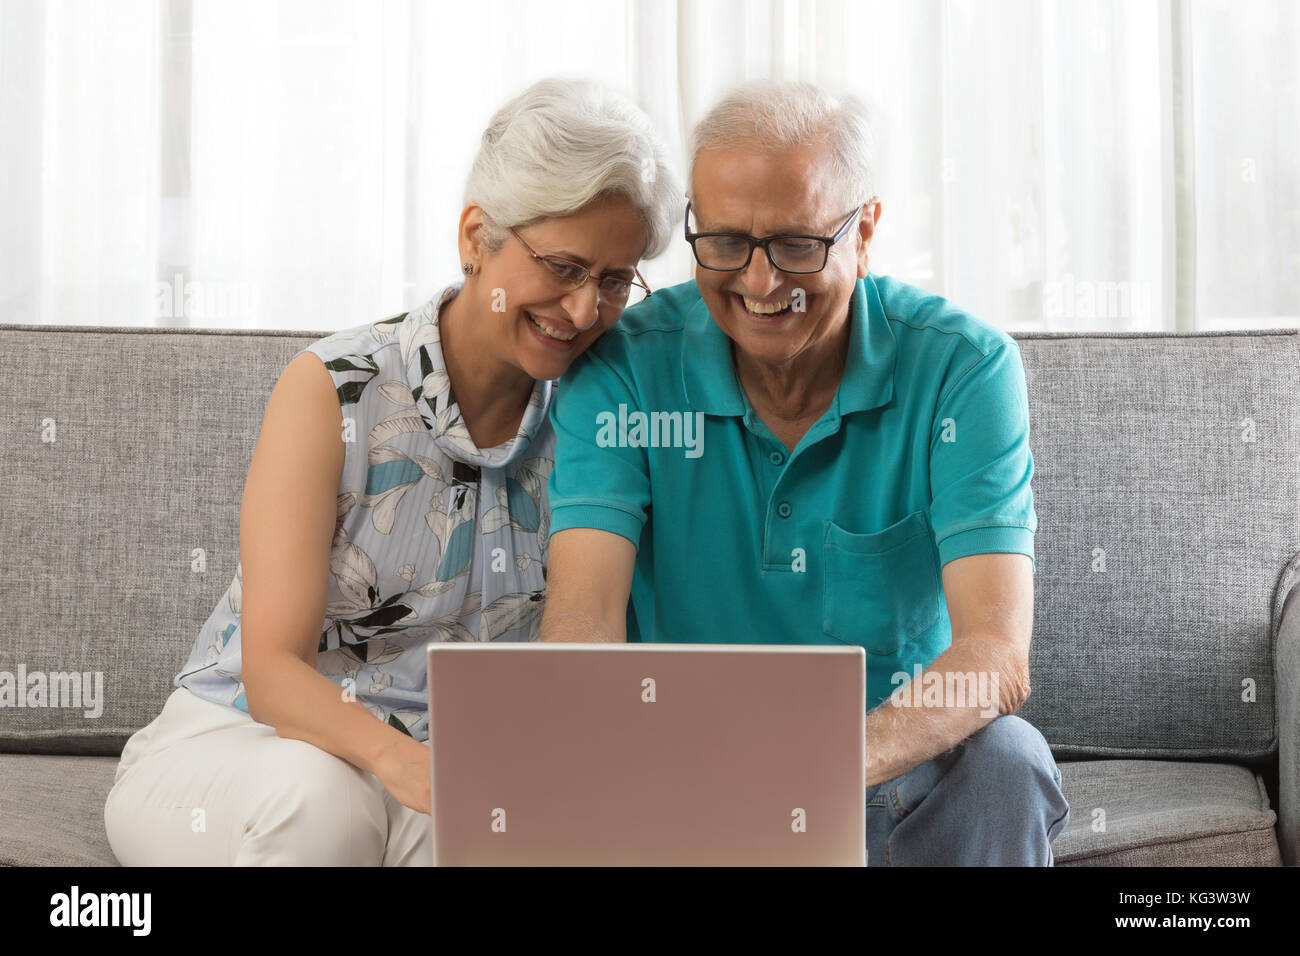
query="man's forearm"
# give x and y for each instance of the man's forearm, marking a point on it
(914, 725)
(575, 625)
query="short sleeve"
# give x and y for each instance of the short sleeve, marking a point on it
(980, 463)
(597, 481)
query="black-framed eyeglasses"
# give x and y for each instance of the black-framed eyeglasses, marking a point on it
(732, 251)
(612, 289)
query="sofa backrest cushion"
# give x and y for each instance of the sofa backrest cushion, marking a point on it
(121, 534)
(1165, 484)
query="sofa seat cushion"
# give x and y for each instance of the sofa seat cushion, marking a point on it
(1157, 813)
(1165, 813)
(52, 810)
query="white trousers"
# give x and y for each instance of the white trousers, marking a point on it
(206, 785)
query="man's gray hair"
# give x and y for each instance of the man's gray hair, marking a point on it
(560, 145)
(774, 115)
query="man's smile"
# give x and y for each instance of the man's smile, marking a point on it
(763, 311)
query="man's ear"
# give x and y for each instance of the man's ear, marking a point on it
(469, 238)
(866, 231)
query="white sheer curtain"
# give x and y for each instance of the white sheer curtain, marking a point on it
(1097, 164)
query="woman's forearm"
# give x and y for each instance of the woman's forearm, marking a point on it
(287, 693)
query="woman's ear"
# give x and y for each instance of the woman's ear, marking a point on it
(469, 238)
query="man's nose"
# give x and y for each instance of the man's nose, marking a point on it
(759, 276)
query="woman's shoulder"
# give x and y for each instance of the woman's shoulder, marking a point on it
(355, 356)
(381, 356)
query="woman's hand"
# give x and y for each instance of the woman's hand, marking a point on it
(403, 769)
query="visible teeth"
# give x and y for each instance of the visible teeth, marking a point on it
(550, 330)
(765, 308)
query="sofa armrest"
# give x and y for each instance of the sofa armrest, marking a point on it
(1287, 670)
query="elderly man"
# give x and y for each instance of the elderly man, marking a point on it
(852, 466)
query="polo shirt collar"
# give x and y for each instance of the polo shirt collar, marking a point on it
(869, 370)
(708, 375)
(710, 378)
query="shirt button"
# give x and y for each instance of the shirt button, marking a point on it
(784, 509)
(776, 458)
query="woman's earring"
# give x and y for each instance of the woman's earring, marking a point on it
(469, 268)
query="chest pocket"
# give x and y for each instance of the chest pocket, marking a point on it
(881, 590)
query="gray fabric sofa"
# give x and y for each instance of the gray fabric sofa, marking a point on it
(1166, 658)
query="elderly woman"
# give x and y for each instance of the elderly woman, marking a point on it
(297, 733)
(862, 477)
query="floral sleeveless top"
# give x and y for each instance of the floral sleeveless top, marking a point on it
(435, 539)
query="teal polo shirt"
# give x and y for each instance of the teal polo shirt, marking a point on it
(923, 457)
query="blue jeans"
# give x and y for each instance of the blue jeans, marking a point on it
(993, 800)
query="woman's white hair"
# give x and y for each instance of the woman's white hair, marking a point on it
(560, 145)
(775, 115)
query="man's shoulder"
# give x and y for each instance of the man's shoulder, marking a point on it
(651, 326)
(928, 321)
(664, 311)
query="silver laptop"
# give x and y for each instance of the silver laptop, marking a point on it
(550, 754)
